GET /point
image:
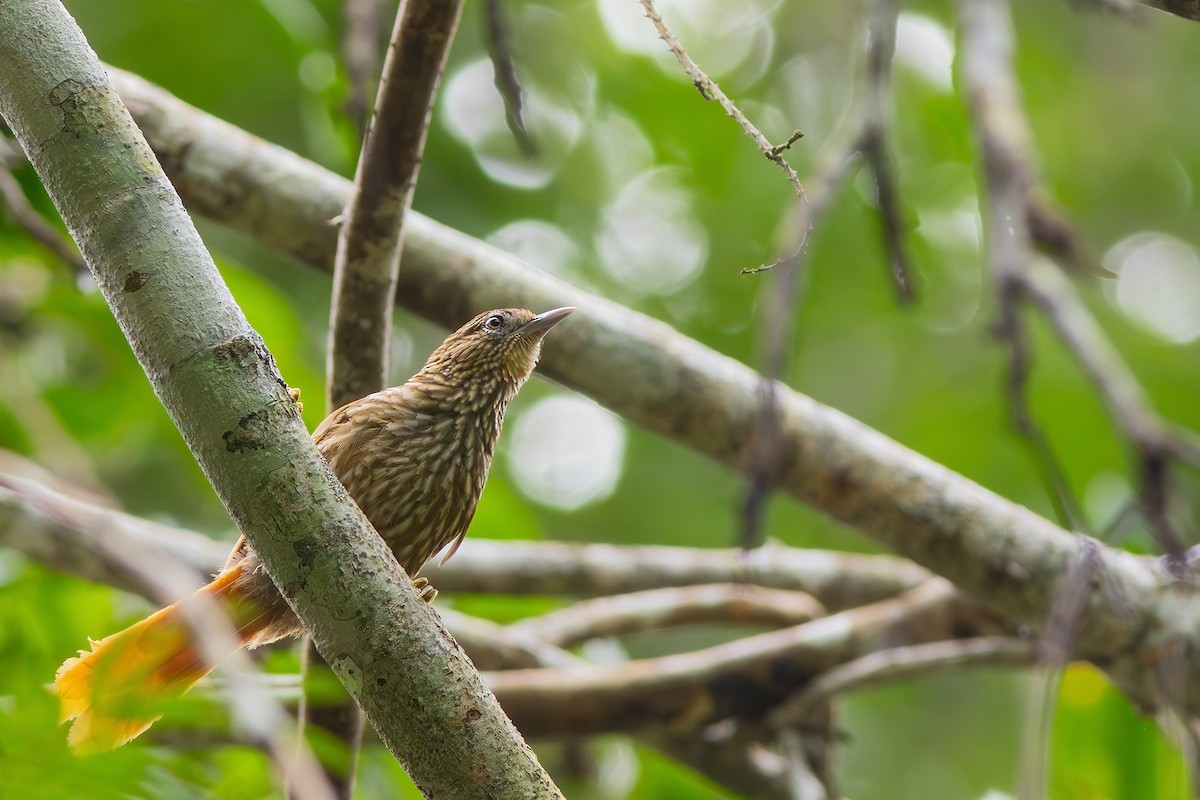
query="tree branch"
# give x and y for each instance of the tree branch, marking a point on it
(1009, 557)
(741, 679)
(30, 514)
(369, 242)
(94, 543)
(665, 608)
(881, 48)
(899, 664)
(220, 386)
(1188, 9)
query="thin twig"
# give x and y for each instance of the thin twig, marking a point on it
(901, 664)
(1009, 328)
(881, 47)
(362, 46)
(710, 91)
(504, 67)
(665, 608)
(740, 679)
(23, 214)
(1116, 384)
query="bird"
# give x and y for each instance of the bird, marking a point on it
(413, 457)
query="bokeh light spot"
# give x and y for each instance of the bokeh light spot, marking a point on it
(649, 237)
(924, 46)
(1158, 284)
(566, 451)
(539, 243)
(474, 114)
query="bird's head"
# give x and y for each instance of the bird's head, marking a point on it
(502, 345)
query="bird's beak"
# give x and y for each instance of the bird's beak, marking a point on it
(536, 328)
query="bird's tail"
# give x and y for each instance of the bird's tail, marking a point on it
(118, 689)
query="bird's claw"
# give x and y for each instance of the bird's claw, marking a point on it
(295, 395)
(426, 592)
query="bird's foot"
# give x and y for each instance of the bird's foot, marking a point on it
(295, 395)
(427, 592)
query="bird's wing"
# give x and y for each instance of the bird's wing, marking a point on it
(458, 540)
(345, 430)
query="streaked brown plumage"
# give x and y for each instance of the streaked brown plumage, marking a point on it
(414, 458)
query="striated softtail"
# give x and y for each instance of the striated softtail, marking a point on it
(119, 689)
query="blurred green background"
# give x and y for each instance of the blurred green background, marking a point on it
(648, 195)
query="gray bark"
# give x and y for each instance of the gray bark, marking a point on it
(219, 384)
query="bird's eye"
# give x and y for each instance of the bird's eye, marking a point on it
(494, 323)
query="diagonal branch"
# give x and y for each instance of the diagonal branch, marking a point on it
(219, 384)
(504, 67)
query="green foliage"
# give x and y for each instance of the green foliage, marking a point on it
(1114, 108)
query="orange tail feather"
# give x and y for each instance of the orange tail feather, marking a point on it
(118, 689)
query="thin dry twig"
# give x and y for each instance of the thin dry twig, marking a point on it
(1116, 384)
(362, 45)
(504, 67)
(881, 47)
(710, 91)
(901, 664)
